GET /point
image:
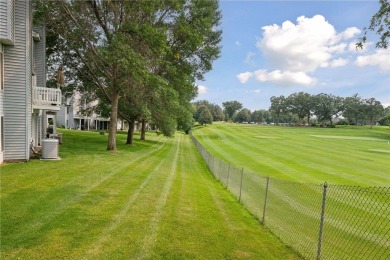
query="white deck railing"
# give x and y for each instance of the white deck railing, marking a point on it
(46, 97)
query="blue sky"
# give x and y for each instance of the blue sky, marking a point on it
(273, 48)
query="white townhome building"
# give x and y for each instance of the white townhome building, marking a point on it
(78, 113)
(25, 102)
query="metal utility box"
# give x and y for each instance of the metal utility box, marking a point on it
(50, 149)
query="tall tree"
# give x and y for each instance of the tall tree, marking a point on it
(113, 43)
(102, 39)
(326, 107)
(353, 108)
(186, 121)
(373, 109)
(203, 115)
(215, 110)
(231, 107)
(244, 115)
(300, 104)
(385, 120)
(278, 106)
(267, 116)
(257, 116)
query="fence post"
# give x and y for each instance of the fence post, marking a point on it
(219, 169)
(213, 165)
(227, 182)
(265, 200)
(242, 175)
(208, 160)
(321, 221)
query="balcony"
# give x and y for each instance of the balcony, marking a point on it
(46, 98)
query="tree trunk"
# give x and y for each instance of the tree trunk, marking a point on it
(130, 132)
(111, 146)
(143, 126)
(308, 119)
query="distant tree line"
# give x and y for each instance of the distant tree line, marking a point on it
(299, 109)
(327, 109)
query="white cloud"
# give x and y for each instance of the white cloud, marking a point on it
(350, 33)
(202, 90)
(285, 78)
(301, 47)
(237, 43)
(295, 51)
(244, 77)
(380, 58)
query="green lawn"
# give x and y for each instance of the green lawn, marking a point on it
(298, 160)
(153, 200)
(352, 156)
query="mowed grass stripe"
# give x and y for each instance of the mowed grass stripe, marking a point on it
(305, 151)
(151, 232)
(297, 155)
(62, 201)
(198, 207)
(77, 172)
(152, 200)
(61, 204)
(124, 209)
(265, 161)
(355, 217)
(298, 166)
(138, 209)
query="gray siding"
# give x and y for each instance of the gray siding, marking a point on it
(1, 92)
(1, 103)
(6, 21)
(61, 116)
(17, 86)
(3, 19)
(40, 57)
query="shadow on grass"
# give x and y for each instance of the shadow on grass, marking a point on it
(91, 142)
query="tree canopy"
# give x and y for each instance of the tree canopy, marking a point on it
(244, 115)
(112, 46)
(203, 115)
(230, 107)
(278, 105)
(380, 23)
(215, 110)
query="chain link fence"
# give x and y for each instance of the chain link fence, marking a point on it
(318, 221)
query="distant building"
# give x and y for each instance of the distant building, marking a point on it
(77, 113)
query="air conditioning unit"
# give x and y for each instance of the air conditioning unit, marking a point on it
(50, 149)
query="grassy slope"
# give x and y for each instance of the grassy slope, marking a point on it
(355, 156)
(356, 223)
(155, 199)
